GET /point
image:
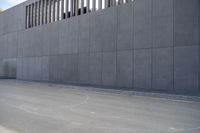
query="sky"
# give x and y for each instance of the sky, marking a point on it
(5, 4)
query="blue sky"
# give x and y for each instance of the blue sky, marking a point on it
(5, 4)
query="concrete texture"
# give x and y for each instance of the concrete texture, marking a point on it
(28, 107)
(84, 34)
(13, 19)
(1, 69)
(186, 68)
(109, 69)
(162, 23)
(138, 45)
(142, 68)
(96, 35)
(12, 45)
(64, 33)
(186, 22)
(162, 77)
(50, 39)
(1, 23)
(109, 29)
(142, 24)
(83, 68)
(125, 28)
(95, 68)
(124, 68)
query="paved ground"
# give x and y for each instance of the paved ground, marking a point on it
(27, 107)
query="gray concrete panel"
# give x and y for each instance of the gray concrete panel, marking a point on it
(186, 68)
(9, 67)
(162, 78)
(27, 68)
(19, 68)
(84, 33)
(109, 27)
(7, 19)
(31, 42)
(69, 36)
(64, 36)
(125, 68)
(12, 45)
(109, 69)
(45, 68)
(31, 68)
(36, 41)
(59, 67)
(5, 67)
(53, 69)
(96, 35)
(60, 70)
(53, 38)
(186, 22)
(162, 23)
(69, 68)
(12, 68)
(38, 69)
(95, 68)
(142, 24)
(50, 39)
(27, 43)
(13, 19)
(24, 69)
(10, 20)
(125, 27)
(1, 69)
(3, 46)
(1, 23)
(19, 17)
(66, 68)
(74, 68)
(62, 67)
(20, 43)
(83, 68)
(142, 68)
(74, 34)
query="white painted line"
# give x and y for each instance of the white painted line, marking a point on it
(6, 130)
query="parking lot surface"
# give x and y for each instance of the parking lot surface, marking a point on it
(29, 107)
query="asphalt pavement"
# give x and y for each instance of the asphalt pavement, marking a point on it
(30, 107)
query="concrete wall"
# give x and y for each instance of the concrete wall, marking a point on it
(150, 45)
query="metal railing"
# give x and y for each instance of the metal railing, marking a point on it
(48, 11)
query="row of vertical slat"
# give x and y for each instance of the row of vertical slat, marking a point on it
(47, 11)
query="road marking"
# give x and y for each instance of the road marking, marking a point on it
(92, 112)
(176, 130)
(73, 107)
(6, 130)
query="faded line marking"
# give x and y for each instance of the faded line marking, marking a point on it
(183, 130)
(6, 130)
(73, 107)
